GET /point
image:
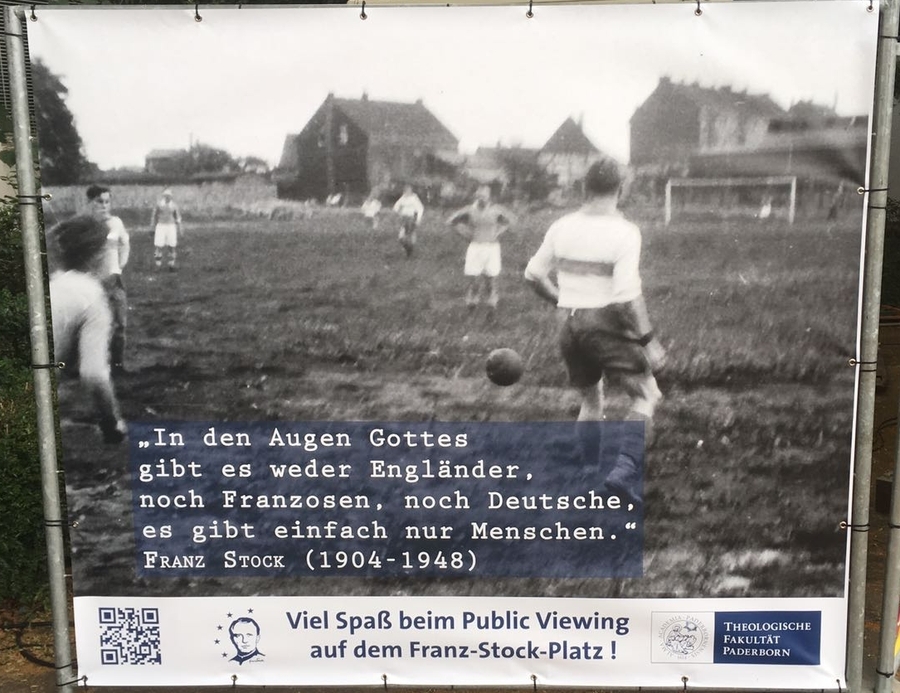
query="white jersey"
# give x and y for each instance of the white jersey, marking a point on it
(596, 258)
(82, 322)
(410, 207)
(117, 247)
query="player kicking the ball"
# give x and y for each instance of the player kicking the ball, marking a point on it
(606, 332)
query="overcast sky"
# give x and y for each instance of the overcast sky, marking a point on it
(149, 78)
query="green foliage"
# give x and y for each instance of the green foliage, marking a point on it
(62, 156)
(528, 179)
(200, 159)
(22, 548)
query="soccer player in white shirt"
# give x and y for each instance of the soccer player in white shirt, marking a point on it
(109, 272)
(82, 319)
(410, 209)
(166, 225)
(588, 265)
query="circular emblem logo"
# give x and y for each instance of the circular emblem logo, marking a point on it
(683, 637)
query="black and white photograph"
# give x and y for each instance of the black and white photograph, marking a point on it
(462, 217)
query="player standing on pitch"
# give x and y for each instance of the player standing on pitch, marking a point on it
(166, 225)
(482, 223)
(606, 332)
(118, 248)
(410, 209)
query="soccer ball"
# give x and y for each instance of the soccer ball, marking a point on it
(504, 367)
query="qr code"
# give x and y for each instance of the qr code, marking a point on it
(129, 636)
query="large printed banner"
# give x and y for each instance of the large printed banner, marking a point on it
(322, 421)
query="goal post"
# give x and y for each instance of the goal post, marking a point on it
(722, 198)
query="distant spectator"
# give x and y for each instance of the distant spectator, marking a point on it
(109, 272)
(166, 225)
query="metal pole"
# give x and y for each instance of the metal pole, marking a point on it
(878, 176)
(891, 597)
(40, 350)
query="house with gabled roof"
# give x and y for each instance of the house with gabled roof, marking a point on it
(678, 120)
(693, 134)
(568, 154)
(351, 146)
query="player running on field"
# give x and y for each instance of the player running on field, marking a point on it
(588, 265)
(82, 318)
(410, 209)
(482, 223)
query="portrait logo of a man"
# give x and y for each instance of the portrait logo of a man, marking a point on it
(244, 633)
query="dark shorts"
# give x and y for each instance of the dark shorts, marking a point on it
(597, 343)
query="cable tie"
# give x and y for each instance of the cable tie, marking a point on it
(362, 13)
(69, 683)
(698, 11)
(684, 680)
(59, 364)
(854, 362)
(65, 666)
(534, 682)
(854, 528)
(861, 190)
(840, 690)
(233, 680)
(871, 7)
(33, 16)
(197, 17)
(9, 33)
(885, 674)
(54, 523)
(530, 13)
(384, 679)
(874, 206)
(891, 525)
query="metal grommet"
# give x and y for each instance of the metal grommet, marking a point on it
(530, 13)
(197, 17)
(698, 11)
(33, 16)
(871, 7)
(362, 13)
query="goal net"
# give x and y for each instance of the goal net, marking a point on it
(772, 197)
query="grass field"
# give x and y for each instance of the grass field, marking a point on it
(323, 319)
